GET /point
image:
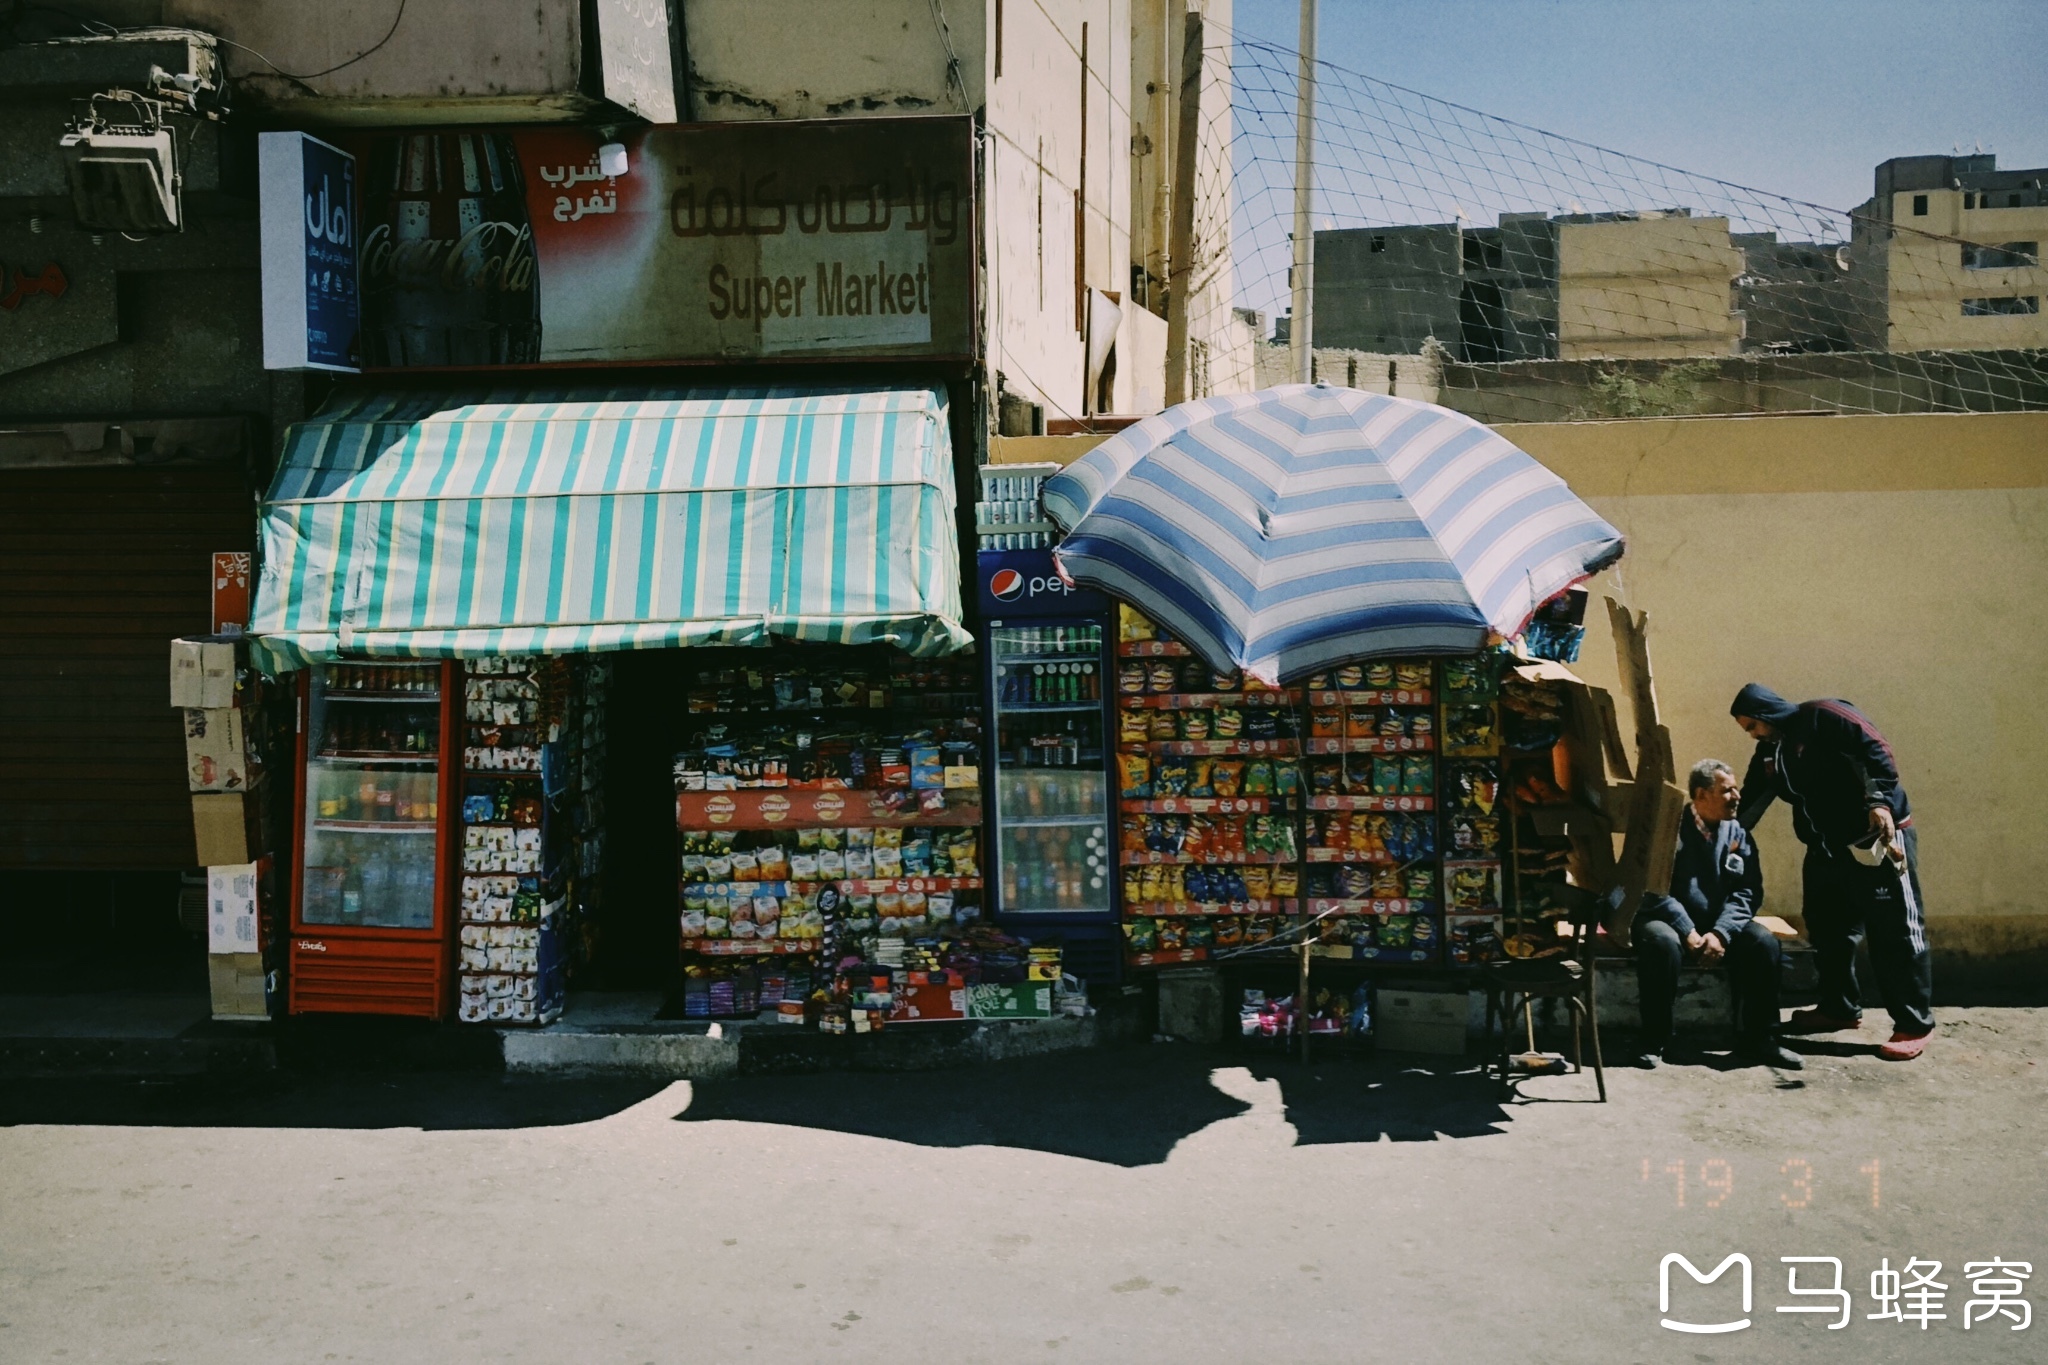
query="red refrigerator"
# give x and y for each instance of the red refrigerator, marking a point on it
(371, 926)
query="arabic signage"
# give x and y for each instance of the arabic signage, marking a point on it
(715, 243)
(311, 311)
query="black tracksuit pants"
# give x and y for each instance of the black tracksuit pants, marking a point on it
(1752, 965)
(1845, 901)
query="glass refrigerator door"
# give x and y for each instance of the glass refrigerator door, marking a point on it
(372, 787)
(1051, 788)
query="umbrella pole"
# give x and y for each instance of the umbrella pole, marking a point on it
(1301, 319)
(1301, 996)
(1300, 820)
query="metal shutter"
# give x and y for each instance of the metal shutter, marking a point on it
(102, 566)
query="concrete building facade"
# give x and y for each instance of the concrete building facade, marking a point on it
(1951, 247)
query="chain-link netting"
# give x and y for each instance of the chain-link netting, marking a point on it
(1517, 274)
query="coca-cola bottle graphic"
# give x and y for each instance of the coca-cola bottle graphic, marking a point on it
(449, 271)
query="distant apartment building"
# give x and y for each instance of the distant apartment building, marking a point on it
(1949, 247)
(1946, 256)
(1647, 285)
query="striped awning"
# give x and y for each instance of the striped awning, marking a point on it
(1303, 526)
(431, 526)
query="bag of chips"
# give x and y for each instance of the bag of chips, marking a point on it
(1386, 775)
(1418, 776)
(1133, 727)
(1136, 770)
(1226, 778)
(1170, 777)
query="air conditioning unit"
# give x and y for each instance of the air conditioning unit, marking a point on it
(124, 176)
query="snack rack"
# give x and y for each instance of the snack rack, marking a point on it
(517, 838)
(1366, 797)
(823, 808)
(1477, 827)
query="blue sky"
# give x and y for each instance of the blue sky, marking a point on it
(1800, 97)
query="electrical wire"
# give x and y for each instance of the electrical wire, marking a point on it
(100, 29)
(328, 71)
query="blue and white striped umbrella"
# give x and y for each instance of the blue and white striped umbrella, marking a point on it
(1288, 530)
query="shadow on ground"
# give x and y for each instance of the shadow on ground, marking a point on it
(1122, 1106)
(435, 1101)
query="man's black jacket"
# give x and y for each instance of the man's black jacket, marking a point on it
(1828, 762)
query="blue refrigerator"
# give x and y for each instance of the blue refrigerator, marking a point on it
(1050, 681)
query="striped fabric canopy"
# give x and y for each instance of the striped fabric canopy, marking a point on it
(431, 527)
(1285, 531)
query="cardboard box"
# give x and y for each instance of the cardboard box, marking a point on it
(240, 986)
(231, 909)
(220, 829)
(202, 673)
(1029, 1000)
(1421, 1021)
(928, 1004)
(216, 756)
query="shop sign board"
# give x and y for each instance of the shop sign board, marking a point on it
(307, 221)
(695, 244)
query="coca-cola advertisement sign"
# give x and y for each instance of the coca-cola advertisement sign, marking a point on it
(712, 243)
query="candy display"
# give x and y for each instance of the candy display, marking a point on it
(825, 814)
(529, 832)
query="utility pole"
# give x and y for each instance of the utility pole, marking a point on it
(1301, 323)
(1180, 246)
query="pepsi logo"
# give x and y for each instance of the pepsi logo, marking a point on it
(1006, 585)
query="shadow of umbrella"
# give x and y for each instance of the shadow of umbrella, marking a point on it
(1370, 1098)
(1122, 1106)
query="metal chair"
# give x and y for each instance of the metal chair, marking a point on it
(1517, 984)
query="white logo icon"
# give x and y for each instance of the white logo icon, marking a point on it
(1700, 1328)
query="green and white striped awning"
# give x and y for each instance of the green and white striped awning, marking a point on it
(425, 526)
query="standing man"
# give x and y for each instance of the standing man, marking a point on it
(1862, 872)
(1717, 887)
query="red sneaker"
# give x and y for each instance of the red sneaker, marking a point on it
(1813, 1021)
(1904, 1047)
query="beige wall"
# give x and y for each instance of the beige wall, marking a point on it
(1901, 562)
(1646, 288)
(446, 61)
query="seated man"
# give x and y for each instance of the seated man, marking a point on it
(1717, 886)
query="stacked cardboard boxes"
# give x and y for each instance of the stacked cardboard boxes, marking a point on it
(225, 824)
